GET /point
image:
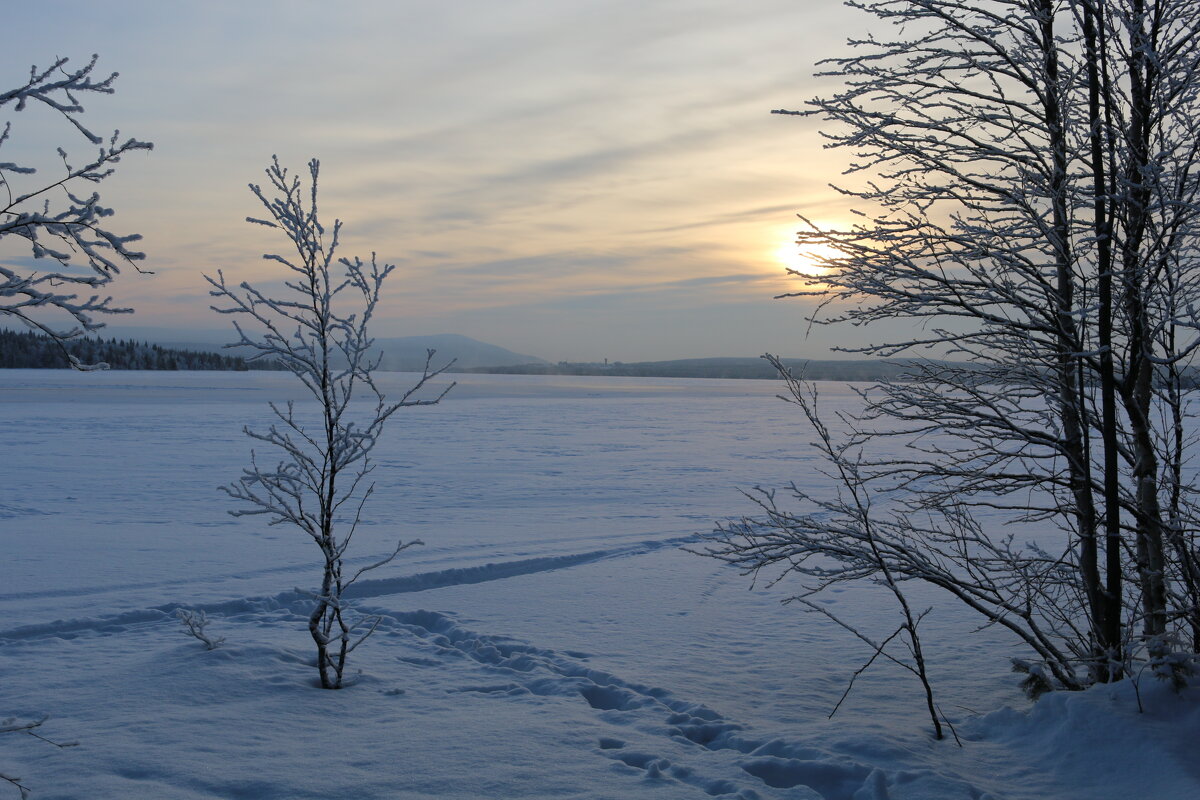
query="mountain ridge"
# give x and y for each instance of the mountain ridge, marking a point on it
(735, 367)
(396, 353)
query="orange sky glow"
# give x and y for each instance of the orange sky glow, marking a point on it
(576, 180)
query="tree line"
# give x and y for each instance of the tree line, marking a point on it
(32, 350)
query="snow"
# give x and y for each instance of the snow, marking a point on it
(550, 640)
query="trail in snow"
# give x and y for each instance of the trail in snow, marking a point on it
(441, 554)
(679, 741)
(365, 588)
(689, 742)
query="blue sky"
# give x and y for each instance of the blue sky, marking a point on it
(573, 179)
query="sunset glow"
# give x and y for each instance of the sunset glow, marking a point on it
(806, 259)
(535, 170)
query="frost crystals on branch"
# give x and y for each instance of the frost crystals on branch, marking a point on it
(320, 486)
(195, 624)
(63, 224)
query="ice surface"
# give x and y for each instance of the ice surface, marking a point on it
(551, 640)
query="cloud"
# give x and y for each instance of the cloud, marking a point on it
(508, 156)
(772, 212)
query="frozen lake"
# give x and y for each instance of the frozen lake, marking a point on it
(506, 466)
(551, 639)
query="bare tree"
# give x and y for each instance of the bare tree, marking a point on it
(1033, 207)
(321, 484)
(850, 513)
(60, 219)
(195, 624)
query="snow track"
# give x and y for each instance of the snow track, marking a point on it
(652, 735)
(363, 589)
(679, 741)
(429, 579)
(459, 576)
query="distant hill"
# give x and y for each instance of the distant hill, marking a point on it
(175, 349)
(749, 368)
(402, 354)
(407, 353)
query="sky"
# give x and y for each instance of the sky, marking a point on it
(571, 179)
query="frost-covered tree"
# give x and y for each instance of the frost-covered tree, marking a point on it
(1032, 209)
(59, 216)
(59, 221)
(317, 328)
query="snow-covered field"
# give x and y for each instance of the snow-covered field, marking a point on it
(550, 640)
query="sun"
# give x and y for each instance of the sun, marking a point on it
(808, 258)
